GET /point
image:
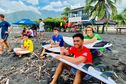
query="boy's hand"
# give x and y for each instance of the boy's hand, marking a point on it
(59, 57)
(48, 47)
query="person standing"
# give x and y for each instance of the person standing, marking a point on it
(4, 25)
(41, 28)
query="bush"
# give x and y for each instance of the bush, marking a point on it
(53, 22)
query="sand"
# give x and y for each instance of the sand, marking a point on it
(34, 71)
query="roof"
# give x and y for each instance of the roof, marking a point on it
(94, 22)
(77, 9)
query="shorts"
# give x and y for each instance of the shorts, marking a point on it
(4, 36)
(22, 51)
(73, 70)
(41, 30)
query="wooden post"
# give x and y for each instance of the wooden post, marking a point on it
(103, 28)
(97, 29)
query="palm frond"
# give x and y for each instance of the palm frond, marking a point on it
(102, 8)
(103, 12)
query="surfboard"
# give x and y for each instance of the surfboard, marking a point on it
(44, 49)
(90, 70)
(55, 49)
(69, 41)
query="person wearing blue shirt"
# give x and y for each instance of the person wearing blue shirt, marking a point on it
(57, 39)
(4, 25)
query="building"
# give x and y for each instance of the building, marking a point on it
(77, 15)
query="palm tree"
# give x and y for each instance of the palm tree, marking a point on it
(102, 9)
(121, 18)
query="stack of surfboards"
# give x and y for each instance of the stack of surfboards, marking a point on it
(69, 41)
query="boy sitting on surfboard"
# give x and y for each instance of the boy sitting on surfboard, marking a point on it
(26, 48)
(57, 39)
(81, 55)
(91, 37)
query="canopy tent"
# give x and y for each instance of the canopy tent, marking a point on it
(101, 22)
(25, 22)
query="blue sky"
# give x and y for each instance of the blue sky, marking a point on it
(45, 7)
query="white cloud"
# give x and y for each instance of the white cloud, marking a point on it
(9, 6)
(50, 8)
(59, 6)
(76, 6)
(54, 6)
(2, 10)
(33, 2)
(121, 5)
(76, 3)
(14, 6)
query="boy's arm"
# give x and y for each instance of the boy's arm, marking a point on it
(73, 60)
(10, 29)
(90, 40)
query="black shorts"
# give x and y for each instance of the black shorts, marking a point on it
(4, 36)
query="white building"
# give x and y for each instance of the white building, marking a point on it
(77, 15)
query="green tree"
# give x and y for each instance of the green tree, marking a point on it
(102, 9)
(50, 23)
(66, 11)
(121, 18)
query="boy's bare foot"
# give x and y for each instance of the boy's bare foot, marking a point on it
(10, 50)
(1, 52)
(20, 55)
(52, 83)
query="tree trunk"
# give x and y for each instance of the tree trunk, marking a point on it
(97, 29)
(103, 29)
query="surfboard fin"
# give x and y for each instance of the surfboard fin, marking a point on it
(107, 74)
(86, 66)
(100, 67)
(87, 77)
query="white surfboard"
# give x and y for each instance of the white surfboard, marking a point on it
(55, 49)
(90, 70)
(69, 41)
